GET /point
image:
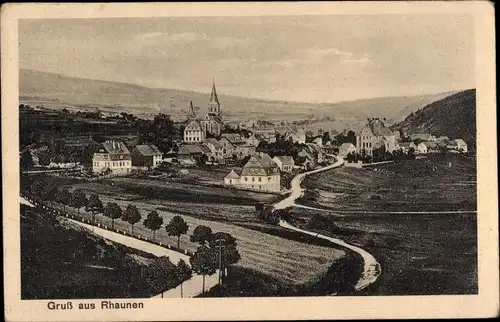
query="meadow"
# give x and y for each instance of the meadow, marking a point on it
(420, 253)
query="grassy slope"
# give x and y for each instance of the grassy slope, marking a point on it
(410, 186)
(453, 116)
(59, 91)
(62, 260)
(419, 254)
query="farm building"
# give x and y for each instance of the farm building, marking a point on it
(146, 155)
(284, 162)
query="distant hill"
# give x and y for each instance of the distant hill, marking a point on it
(58, 91)
(453, 116)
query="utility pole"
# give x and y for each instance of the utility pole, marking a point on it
(220, 257)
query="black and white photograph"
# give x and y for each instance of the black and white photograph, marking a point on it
(247, 156)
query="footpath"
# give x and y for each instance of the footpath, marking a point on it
(190, 288)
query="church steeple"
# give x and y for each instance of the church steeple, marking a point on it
(214, 105)
(191, 114)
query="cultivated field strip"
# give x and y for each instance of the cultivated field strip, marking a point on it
(285, 260)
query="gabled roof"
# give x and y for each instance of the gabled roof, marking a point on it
(406, 144)
(215, 143)
(115, 147)
(346, 146)
(234, 138)
(460, 142)
(204, 148)
(193, 125)
(147, 150)
(232, 175)
(191, 149)
(260, 165)
(430, 145)
(285, 159)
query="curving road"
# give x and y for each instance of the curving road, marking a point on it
(371, 268)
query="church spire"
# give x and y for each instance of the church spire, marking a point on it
(214, 105)
(213, 96)
(191, 114)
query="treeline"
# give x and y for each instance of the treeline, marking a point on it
(216, 250)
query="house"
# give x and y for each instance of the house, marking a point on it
(459, 145)
(406, 146)
(318, 141)
(216, 148)
(432, 147)
(423, 137)
(260, 172)
(112, 156)
(253, 140)
(236, 145)
(421, 148)
(232, 178)
(346, 148)
(146, 155)
(375, 135)
(193, 132)
(267, 134)
(297, 136)
(284, 162)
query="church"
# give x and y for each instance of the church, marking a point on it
(211, 124)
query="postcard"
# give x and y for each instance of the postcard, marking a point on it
(249, 161)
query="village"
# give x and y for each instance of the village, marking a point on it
(248, 156)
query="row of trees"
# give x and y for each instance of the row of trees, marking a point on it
(216, 250)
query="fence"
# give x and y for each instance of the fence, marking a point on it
(102, 225)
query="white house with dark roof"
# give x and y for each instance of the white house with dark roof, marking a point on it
(146, 155)
(232, 178)
(259, 173)
(459, 145)
(112, 156)
(193, 132)
(284, 162)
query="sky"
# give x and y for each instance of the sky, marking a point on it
(294, 58)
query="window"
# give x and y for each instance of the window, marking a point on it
(246, 179)
(260, 179)
(253, 179)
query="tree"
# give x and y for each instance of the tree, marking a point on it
(112, 211)
(201, 235)
(131, 215)
(184, 272)
(177, 227)
(162, 274)
(26, 159)
(153, 222)
(94, 206)
(63, 197)
(78, 200)
(203, 262)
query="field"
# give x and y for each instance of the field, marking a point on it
(407, 186)
(426, 253)
(289, 261)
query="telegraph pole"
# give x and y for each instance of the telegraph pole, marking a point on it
(220, 257)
